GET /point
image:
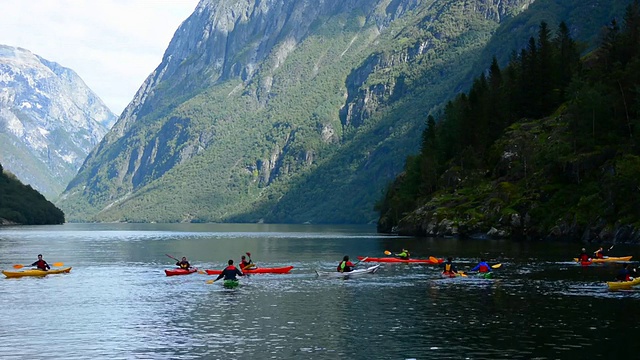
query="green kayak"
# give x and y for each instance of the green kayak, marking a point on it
(486, 275)
(230, 284)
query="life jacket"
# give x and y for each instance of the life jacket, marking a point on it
(244, 264)
(343, 266)
(483, 268)
(183, 265)
(41, 264)
(584, 257)
(599, 255)
(447, 268)
(230, 267)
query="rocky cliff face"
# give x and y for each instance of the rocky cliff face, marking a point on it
(49, 120)
(262, 92)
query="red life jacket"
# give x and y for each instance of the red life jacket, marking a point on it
(230, 267)
(584, 257)
(483, 268)
(41, 264)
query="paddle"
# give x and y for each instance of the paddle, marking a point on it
(359, 261)
(496, 266)
(433, 259)
(209, 281)
(172, 257)
(20, 266)
(387, 252)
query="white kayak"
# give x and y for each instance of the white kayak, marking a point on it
(352, 273)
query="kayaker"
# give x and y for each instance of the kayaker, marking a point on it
(599, 254)
(246, 264)
(345, 265)
(404, 254)
(230, 272)
(449, 267)
(482, 267)
(41, 264)
(583, 257)
(183, 264)
(624, 274)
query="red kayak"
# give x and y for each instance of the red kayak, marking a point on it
(273, 270)
(396, 260)
(178, 271)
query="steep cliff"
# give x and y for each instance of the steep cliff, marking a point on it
(282, 111)
(49, 120)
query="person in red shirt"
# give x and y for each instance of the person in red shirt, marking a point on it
(41, 264)
(583, 257)
(345, 265)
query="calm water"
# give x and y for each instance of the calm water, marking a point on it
(117, 303)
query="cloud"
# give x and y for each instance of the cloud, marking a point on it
(112, 44)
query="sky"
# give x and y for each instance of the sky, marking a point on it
(113, 45)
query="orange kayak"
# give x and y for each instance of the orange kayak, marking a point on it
(608, 259)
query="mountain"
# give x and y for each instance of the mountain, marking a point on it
(543, 148)
(49, 120)
(293, 111)
(21, 204)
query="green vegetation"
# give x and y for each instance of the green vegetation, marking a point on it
(21, 204)
(315, 134)
(486, 164)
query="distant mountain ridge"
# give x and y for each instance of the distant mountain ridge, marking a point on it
(292, 111)
(49, 120)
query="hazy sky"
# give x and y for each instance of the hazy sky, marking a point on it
(112, 44)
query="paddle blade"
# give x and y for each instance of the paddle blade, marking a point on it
(209, 281)
(202, 272)
(433, 259)
(18, 266)
(496, 266)
(387, 252)
(58, 264)
(462, 274)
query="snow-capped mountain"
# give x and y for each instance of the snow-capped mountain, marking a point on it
(49, 120)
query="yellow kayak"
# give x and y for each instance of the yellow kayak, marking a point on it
(35, 272)
(618, 285)
(608, 259)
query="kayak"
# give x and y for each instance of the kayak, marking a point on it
(272, 270)
(352, 273)
(34, 272)
(178, 271)
(607, 259)
(449, 275)
(230, 284)
(396, 260)
(484, 275)
(618, 285)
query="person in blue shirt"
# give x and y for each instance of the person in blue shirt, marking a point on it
(624, 274)
(482, 267)
(230, 272)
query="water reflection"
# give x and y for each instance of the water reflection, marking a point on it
(117, 303)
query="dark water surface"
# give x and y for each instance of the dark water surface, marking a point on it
(117, 303)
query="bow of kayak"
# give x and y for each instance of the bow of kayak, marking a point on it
(35, 272)
(178, 271)
(620, 285)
